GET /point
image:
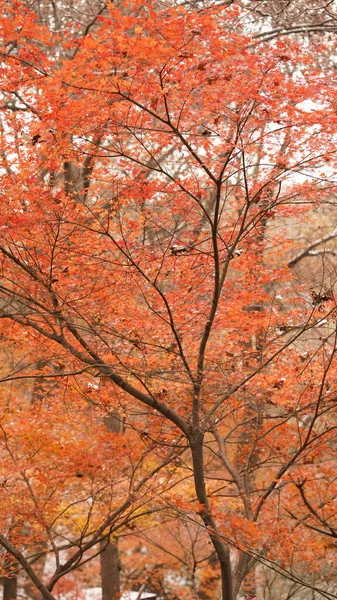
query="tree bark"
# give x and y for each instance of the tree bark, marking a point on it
(110, 579)
(10, 588)
(110, 570)
(221, 549)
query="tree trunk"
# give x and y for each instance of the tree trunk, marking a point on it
(110, 579)
(109, 570)
(221, 549)
(10, 588)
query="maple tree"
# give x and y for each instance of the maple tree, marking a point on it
(151, 176)
(59, 496)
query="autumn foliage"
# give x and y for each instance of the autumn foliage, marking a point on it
(153, 172)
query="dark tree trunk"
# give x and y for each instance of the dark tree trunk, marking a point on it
(110, 570)
(10, 588)
(110, 579)
(221, 549)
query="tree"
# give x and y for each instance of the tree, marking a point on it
(149, 182)
(68, 482)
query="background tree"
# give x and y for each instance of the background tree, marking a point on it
(68, 483)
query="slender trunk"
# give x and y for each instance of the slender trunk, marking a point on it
(110, 570)
(221, 549)
(110, 579)
(10, 588)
